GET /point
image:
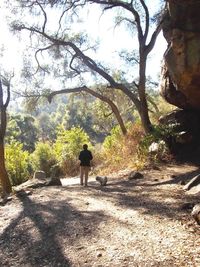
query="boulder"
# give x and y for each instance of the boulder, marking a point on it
(54, 181)
(40, 175)
(135, 175)
(55, 171)
(196, 213)
(23, 193)
(194, 182)
(180, 84)
(184, 131)
(187, 206)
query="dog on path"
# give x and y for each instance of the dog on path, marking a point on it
(102, 180)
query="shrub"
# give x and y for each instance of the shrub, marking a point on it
(17, 163)
(67, 148)
(43, 157)
(120, 151)
(159, 136)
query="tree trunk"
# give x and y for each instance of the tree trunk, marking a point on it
(113, 108)
(6, 185)
(144, 114)
(4, 179)
(145, 119)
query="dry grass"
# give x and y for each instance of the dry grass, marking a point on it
(123, 154)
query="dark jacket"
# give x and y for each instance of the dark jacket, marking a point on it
(85, 157)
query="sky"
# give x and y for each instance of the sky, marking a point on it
(112, 40)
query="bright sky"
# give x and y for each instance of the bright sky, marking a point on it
(111, 40)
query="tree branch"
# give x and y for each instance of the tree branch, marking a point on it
(97, 95)
(70, 65)
(125, 5)
(45, 16)
(36, 58)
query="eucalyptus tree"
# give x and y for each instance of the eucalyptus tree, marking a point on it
(4, 101)
(22, 129)
(74, 57)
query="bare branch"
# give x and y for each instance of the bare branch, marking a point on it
(73, 4)
(37, 60)
(125, 5)
(97, 95)
(136, 84)
(1, 95)
(45, 16)
(146, 31)
(154, 36)
(6, 82)
(8, 95)
(71, 62)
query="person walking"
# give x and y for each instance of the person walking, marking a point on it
(85, 157)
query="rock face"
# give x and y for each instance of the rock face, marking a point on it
(181, 71)
(184, 139)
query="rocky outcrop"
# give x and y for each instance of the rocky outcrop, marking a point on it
(181, 71)
(183, 138)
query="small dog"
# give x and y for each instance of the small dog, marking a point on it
(102, 180)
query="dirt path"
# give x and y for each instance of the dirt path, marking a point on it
(127, 223)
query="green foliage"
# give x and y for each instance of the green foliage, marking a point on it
(67, 147)
(162, 108)
(79, 113)
(160, 135)
(43, 157)
(111, 142)
(46, 127)
(103, 119)
(22, 129)
(17, 162)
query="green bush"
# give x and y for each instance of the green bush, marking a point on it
(17, 163)
(43, 158)
(67, 148)
(112, 141)
(159, 135)
(112, 145)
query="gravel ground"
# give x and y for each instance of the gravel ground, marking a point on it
(142, 222)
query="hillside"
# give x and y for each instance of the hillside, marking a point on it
(143, 222)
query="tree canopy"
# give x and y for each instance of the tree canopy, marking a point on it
(63, 52)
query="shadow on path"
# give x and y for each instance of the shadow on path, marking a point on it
(149, 196)
(41, 234)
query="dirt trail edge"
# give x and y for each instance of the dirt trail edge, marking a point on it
(144, 222)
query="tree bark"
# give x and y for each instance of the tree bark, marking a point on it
(6, 185)
(144, 112)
